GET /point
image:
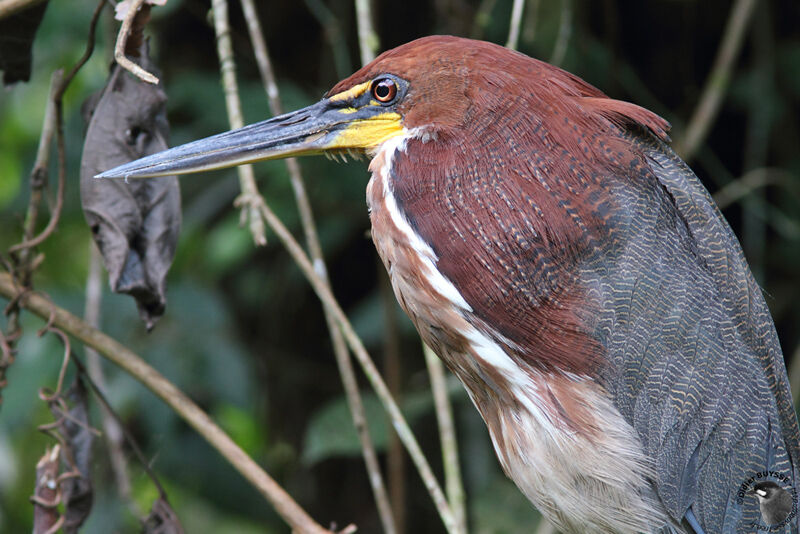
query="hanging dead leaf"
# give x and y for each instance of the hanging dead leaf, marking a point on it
(77, 490)
(136, 224)
(16, 43)
(46, 497)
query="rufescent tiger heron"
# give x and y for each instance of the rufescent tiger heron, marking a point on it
(573, 273)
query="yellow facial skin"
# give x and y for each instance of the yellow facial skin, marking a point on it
(364, 134)
(368, 133)
(352, 93)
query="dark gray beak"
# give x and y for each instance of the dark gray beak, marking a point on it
(330, 125)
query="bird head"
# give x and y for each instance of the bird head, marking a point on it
(439, 85)
(766, 490)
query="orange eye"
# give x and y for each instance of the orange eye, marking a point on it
(384, 90)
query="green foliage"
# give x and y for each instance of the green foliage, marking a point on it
(242, 427)
(227, 245)
(10, 168)
(501, 494)
(331, 432)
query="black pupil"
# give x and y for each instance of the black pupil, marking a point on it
(383, 90)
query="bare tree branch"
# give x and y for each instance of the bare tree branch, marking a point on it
(564, 33)
(333, 34)
(447, 434)
(368, 41)
(516, 21)
(393, 370)
(249, 199)
(39, 180)
(718, 80)
(531, 18)
(23, 263)
(751, 181)
(122, 39)
(54, 120)
(343, 361)
(122, 356)
(357, 347)
(112, 429)
(9, 7)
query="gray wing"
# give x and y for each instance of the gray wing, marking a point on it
(701, 375)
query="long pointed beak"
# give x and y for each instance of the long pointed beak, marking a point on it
(327, 125)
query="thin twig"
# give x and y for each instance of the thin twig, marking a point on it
(7, 350)
(21, 263)
(367, 365)
(564, 33)
(9, 7)
(122, 39)
(131, 363)
(61, 430)
(447, 433)
(47, 494)
(137, 451)
(516, 21)
(482, 18)
(38, 177)
(718, 80)
(62, 179)
(62, 373)
(752, 181)
(248, 200)
(54, 120)
(112, 429)
(758, 133)
(531, 18)
(262, 58)
(393, 370)
(56, 213)
(88, 51)
(343, 361)
(6, 358)
(333, 34)
(368, 41)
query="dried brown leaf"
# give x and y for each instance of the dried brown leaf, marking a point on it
(76, 430)
(45, 496)
(136, 224)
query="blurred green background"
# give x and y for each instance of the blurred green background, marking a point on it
(244, 335)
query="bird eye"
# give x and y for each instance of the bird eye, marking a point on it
(384, 90)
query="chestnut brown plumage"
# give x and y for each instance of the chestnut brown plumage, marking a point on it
(570, 269)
